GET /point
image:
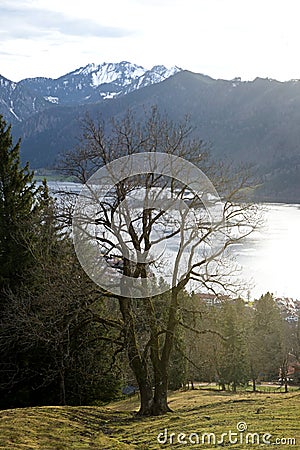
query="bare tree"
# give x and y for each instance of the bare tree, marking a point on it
(127, 221)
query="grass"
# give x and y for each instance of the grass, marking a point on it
(116, 426)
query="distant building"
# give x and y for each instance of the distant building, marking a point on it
(290, 308)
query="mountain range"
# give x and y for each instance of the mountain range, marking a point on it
(86, 85)
(244, 121)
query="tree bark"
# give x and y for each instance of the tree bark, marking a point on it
(137, 362)
(146, 393)
(161, 364)
(153, 401)
(160, 400)
(62, 387)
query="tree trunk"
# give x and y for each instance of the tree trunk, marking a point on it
(160, 400)
(62, 386)
(284, 378)
(152, 403)
(222, 385)
(138, 364)
(254, 384)
(161, 364)
(146, 393)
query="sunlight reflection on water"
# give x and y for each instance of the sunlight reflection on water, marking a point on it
(270, 257)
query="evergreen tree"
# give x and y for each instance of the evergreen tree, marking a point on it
(49, 353)
(233, 357)
(20, 202)
(265, 341)
(17, 203)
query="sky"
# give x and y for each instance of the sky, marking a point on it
(220, 38)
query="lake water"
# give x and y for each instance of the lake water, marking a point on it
(269, 258)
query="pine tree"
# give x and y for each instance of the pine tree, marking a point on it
(265, 340)
(48, 347)
(17, 202)
(233, 357)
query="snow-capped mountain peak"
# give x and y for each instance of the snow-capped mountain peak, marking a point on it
(123, 73)
(7, 84)
(165, 71)
(92, 83)
(97, 82)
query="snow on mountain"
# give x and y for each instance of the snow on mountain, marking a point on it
(5, 83)
(114, 79)
(122, 73)
(155, 75)
(97, 82)
(18, 103)
(51, 99)
(93, 83)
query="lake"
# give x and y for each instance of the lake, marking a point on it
(269, 258)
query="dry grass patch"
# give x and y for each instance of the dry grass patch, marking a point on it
(117, 427)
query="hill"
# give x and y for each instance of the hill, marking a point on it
(200, 412)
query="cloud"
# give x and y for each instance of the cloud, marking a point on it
(13, 55)
(27, 22)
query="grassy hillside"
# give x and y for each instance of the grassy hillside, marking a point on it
(63, 428)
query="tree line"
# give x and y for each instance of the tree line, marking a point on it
(241, 342)
(50, 351)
